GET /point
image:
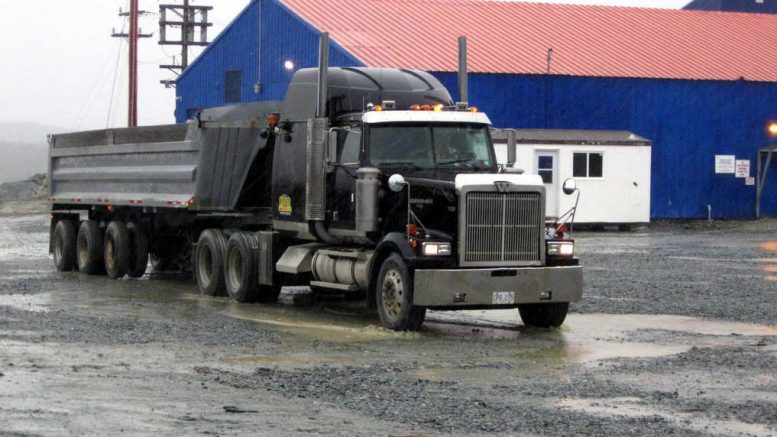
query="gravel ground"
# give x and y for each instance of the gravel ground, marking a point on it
(727, 270)
(676, 336)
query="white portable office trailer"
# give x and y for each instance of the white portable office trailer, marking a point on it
(611, 169)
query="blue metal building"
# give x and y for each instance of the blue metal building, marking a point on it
(755, 6)
(690, 121)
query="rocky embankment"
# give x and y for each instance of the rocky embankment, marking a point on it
(24, 197)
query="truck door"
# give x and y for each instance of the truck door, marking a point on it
(343, 194)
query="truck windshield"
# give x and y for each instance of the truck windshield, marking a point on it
(426, 146)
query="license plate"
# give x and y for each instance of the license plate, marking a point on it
(503, 298)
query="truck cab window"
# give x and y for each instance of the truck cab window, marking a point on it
(448, 145)
(350, 145)
(391, 145)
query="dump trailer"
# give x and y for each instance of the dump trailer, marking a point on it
(366, 182)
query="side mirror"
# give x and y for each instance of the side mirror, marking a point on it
(512, 170)
(397, 183)
(331, 150)
(569, 186)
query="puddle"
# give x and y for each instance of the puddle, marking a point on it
(293, 360)
(694, 420)
(315, 323)
(587, 338)
(27, 302)
(723, 260)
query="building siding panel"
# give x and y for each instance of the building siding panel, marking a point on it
(689, 123)
(263, 36)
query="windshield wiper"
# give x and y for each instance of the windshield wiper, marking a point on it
(458, 161)
(407, 164)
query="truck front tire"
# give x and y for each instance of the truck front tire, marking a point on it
(209, 262)
(544, 315)
(116, 250)
(138, 253)
(64, 245)
(89, 248)
(394, 296)
(241, 269)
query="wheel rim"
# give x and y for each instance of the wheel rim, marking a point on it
(206, 265)
(110, 252)
(83, 251)
(236, 268)
(58, 249)
(392, 292)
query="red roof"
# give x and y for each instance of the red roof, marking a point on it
(514, 37)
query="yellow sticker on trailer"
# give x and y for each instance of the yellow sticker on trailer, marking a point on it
(284, 204)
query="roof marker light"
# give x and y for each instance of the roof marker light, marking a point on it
(473, 109)
(438, 108)
(415, 107)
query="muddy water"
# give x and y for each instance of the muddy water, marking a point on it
(93, 356)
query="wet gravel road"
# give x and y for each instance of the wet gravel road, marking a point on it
(677, 335)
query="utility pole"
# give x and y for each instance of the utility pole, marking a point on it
(133, 35)
(190, 19)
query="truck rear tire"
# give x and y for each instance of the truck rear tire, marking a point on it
(116, 249)
(241, 269)
(138, 253)
(64, 245)
(89, 248)
(209, 262)
(394, 297)
(544, 315)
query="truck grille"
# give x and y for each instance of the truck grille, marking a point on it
(503, 228)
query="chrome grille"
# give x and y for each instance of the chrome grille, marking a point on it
(503, 228)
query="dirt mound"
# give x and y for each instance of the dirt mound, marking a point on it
(29, 189)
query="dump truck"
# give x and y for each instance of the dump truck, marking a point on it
(366, 182)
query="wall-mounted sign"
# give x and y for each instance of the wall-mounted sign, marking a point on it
(743, 168)
(749, 180)
(725, 164)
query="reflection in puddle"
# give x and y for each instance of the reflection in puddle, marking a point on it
(688, 419)
(26, 302)
(769, 246)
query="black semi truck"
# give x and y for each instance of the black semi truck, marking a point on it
(363, 181)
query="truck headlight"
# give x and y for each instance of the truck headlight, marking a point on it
(561, 248)
(436, 249)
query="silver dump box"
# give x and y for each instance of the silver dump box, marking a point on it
(202, 164)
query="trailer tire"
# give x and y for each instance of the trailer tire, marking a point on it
(544, 315)
(138, 253)
(241, 267)
(209, 262)
(116, 251)
(89, 248)
(394, 296)
(64, 245)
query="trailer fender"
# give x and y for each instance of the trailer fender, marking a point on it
(394, 242)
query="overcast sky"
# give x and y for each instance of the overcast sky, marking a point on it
(59, 61)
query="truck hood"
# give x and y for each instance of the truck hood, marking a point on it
(464, 179)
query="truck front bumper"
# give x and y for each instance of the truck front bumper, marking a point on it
(495, 288)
